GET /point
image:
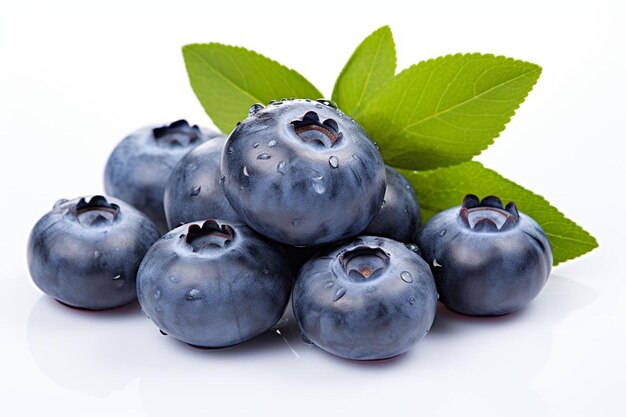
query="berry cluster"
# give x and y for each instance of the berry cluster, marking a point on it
(215, 234)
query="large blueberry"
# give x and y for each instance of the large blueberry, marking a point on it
(194, 190)
(140, 165)
(85, 252)
(303, 173)
(213, 284)
(371, 299)
(400, 215)
(487, 259)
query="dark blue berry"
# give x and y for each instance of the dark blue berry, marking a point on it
(371, 299)
(86, 252)
(487, 259)
(213, 284)
(303, 173)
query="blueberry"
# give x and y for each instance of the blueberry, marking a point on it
(399, 217)
(213, 284)
(487, 259)
(303, 173)
(371, 299)
(140, 165)
(194, 190)
(85, 252)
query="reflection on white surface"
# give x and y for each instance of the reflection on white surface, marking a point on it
(486, 363)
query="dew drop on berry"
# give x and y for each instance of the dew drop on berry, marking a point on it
(264, 156)
(442, 233)
(281, 167)
(256, 145)
(340, 293)
(406, 277)
(254, 109)
(193, 294)
(195, 191)
(271, 143)
(245, 171)
(333, 161)
(318, 106)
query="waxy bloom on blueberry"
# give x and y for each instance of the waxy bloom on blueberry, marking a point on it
(139, 167)
(214, 283)
(373, 298)
(487, 259)
(85, 252)
(303, 173)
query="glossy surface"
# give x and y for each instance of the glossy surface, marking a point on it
(486, 260)
(370, 299)
(399, 217)
(140, 165)
(85, 252)
(194, 190)
(302, 173)
(213, 284)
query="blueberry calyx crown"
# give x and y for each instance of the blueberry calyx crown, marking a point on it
(488, 214)
(178, 133)
(364, 262)
(310, 129)
(208, 236)
(95, 212)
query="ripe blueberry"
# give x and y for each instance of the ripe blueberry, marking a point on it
(85, 252)
(371, 299)
(138, 168)
(487, 259)
(400, 215)
(303, 173)
(194, 190)
(213, 284)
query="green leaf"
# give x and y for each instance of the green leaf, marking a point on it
(372, 63)
(446, 110)
(228, 80)
(445, 187)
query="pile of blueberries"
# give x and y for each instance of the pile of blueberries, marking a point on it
(215, 234)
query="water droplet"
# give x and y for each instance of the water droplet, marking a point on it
(193, 294)
(442, 233)
(413, 248)
(96, 254)
(412, 300)
(406, 276)
(195, 191)
(437, 264)
(384, 203)
(256, 145)
(306, 340)
(271, 143)
(333, 161)
(318, 106)
(264, 156)
(340, 293)
(255, 108)
(281, 167)
(115, 278)
(157, 294)
(329, 284)
(245, 171)
(162, 332)
(174, 279)
(408, 187)
(318, 185)
(230, 150)
(355, 156)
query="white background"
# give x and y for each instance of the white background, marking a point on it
(75, 78)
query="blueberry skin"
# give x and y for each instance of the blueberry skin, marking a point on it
(213, 284)
(140, 165)
(487, 260)
(399, 217)
(302, 173)
(194, 190)
(85, 252)
(371, 299)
